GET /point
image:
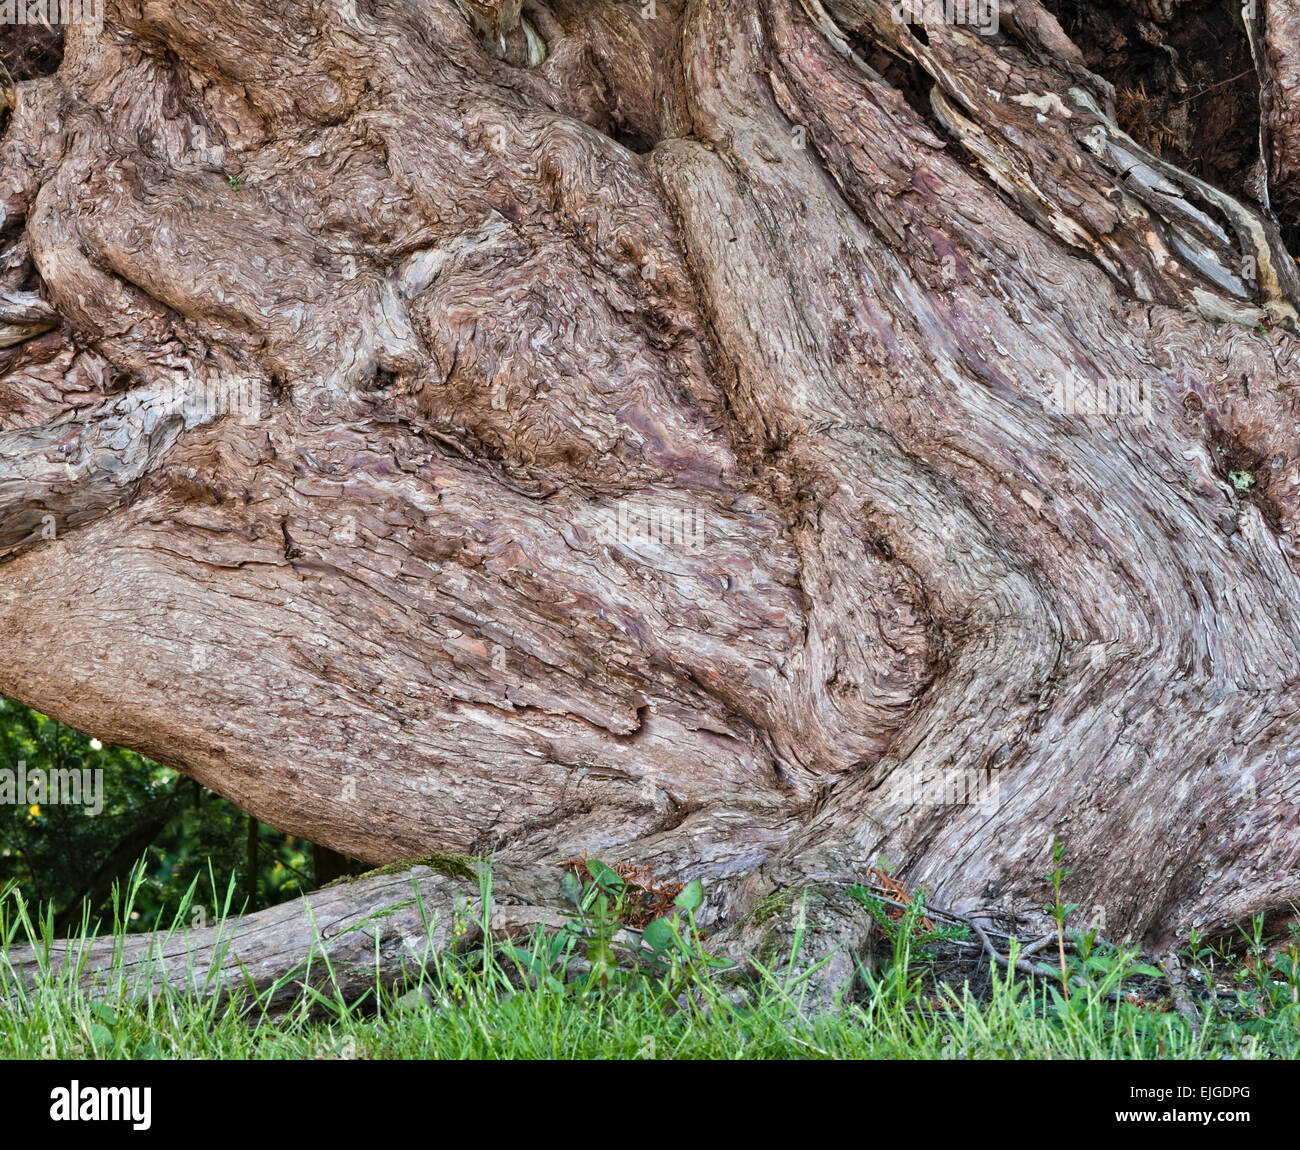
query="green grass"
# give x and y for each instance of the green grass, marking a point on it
(506, 1002)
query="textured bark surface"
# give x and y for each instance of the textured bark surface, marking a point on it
(1279, 63)
(752, 440)
(387, 926)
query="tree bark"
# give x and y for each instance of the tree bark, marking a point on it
(746, 438)
(387, 927)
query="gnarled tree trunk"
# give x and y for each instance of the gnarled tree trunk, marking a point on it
(747, 438)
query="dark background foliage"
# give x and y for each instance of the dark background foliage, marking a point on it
(66, 858)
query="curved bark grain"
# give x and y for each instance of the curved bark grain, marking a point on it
(750, 440)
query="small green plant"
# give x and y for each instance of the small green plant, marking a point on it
(1098, 962)
(671, 948)
(909, 929)
(107, 1037)
(236, 183)
(600, 905)
(1286, 967)
(666, 954)
(910, 932)
(1268, 978)
(1059, 910)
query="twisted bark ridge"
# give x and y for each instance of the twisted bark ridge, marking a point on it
(749, 438)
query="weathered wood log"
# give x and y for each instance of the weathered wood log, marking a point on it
(381, 929)
(751, 439)
(398, 926)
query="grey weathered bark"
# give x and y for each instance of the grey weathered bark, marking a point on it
(388, 925)
(747, 438)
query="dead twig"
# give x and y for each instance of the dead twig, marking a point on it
(1022, 964)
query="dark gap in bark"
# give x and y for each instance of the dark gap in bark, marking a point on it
(632, 139)
(380, 393)
(28, 52)
(17, 269)
(638, 138)
(329, 865)
(382, 380)
(278, 392)
(1247, 471)
(291, 550)
(1289, 226)
(1185, 89)
(906, 76)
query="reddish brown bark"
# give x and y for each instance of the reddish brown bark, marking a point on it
(752, 439)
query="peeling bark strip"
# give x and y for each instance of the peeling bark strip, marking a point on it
(65, 475)
(746, 438)
(23, 315)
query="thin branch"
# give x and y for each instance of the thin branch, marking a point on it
(1021, 964)
(1220, 84)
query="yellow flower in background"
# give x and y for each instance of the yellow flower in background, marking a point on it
(34, 812)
